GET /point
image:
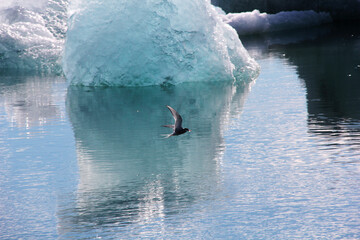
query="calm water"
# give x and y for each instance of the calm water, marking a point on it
(278, 158)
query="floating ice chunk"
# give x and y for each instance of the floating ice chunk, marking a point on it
(255, 22)
(139, 43)
(31, 37)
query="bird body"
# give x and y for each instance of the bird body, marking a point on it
(177, 127)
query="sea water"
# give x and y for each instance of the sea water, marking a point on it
(276, 158)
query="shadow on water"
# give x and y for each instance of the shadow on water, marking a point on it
(128, 171)
(330, 68)
(327, 59)
(266, 45)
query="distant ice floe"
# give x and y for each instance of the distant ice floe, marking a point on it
(254, 22)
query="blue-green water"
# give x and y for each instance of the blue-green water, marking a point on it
(278, 158)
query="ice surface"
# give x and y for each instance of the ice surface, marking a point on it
(31, 35)
(139, 43)
(135, 42)
(255, 22)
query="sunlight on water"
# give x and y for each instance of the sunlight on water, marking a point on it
(274, 159)
(288, 185)
(129, 173)
(37, 162)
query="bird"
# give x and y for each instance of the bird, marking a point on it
(178, 129)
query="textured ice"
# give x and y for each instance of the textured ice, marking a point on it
(255, 22)
(31, 35)
(151, 42)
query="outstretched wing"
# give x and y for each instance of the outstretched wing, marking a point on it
(177, 117)
(169, 126)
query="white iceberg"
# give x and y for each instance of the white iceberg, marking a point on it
(152, 42)
(32, 35)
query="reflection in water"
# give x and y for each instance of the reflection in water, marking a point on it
(36, 155)
(128, 171)
(261, 46)
(30, 101)
(328, 61)
(290, 169)
(330, 68)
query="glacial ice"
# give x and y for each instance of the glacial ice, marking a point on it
(137, 42)
(255, 22)
(151, 42)
(32, 35)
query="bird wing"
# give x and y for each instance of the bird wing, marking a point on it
(177, 117)
(168, 135)
(169, 126)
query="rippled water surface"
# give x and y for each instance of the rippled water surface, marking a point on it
(278, 158)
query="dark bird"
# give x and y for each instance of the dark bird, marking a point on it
(178, 130)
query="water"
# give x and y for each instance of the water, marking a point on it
(274, 159)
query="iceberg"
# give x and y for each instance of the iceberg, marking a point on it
(32, 35)
(254, 22)
(152, 42)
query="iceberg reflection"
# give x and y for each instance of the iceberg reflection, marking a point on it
(31, 101)
(129, 173)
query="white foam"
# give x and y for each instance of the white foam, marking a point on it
(255, 22)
